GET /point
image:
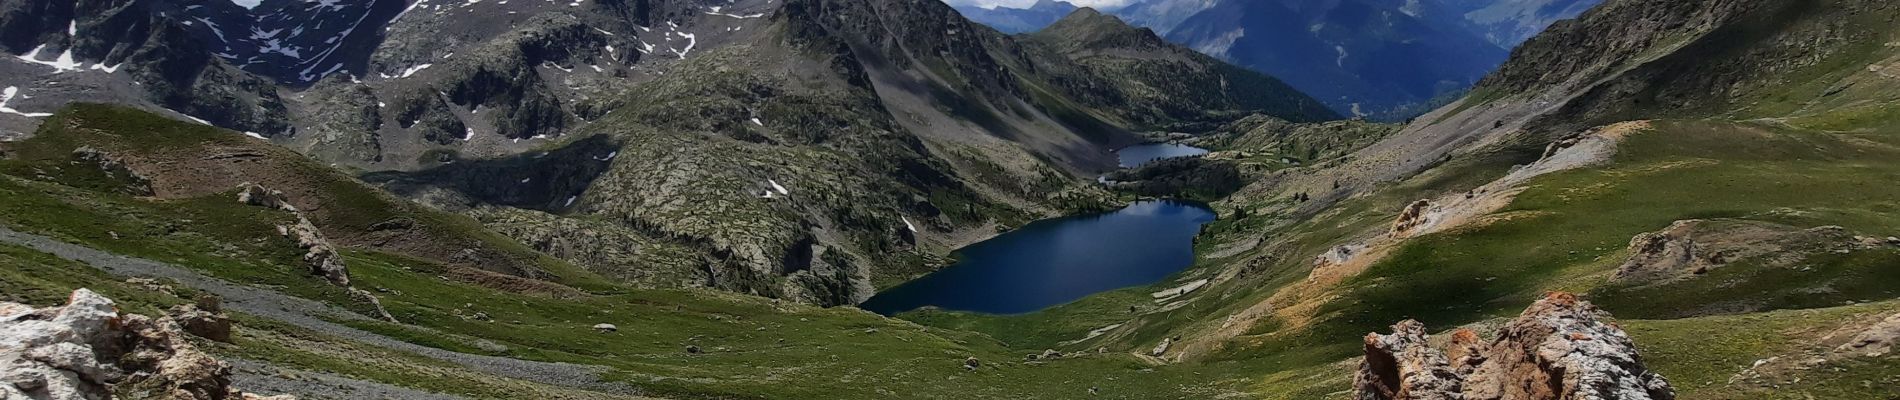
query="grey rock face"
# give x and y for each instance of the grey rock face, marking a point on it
(171, 66)
(88, 350)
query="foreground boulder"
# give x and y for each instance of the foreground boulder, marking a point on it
(88, 350)
(206, 318)
(1557, 349)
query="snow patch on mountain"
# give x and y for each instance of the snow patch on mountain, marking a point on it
(6, 96)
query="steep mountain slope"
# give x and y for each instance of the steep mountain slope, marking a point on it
(1362, 57)
(761, 147)
(1711, 173)
(1018, 20)
(68, 223)
(1698, 169)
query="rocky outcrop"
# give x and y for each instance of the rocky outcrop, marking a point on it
(319, 254)
(375, 303)
(1403, 366)
(206, 318)
(1688, 248)
(1876, 340)
(1558, 349)
(88, 350)
(1411, 218)
(258, 195)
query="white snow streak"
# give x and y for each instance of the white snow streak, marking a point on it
(61, 64)
(781, 189)
(406, 72)
(7, 96)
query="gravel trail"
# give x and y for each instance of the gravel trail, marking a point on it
(265, 379)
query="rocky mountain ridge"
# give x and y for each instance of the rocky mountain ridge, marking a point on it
(582, 108)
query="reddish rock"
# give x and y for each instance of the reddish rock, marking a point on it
(1558, 349)
(1402, 366)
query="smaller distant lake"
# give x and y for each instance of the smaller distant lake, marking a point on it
(1135, 156)
(1056, 261)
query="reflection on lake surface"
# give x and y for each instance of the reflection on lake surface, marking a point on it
(1135, 156)
(1056, 261)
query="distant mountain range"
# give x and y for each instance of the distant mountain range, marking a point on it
(1382, 59)
(1018, 20)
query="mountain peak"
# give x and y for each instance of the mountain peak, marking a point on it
(1088, 15)
(1055, 5)
(1087, 28)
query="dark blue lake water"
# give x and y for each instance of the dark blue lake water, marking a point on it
(1056, 261)
(1135, 156)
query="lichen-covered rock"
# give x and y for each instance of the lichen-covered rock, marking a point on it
(88, 350)
(1402, 366)
(1558, 349)
(319, 254)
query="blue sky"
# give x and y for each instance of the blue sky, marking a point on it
(1105, 4)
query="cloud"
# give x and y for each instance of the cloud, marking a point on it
(1100, 4)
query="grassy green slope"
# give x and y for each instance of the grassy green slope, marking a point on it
(750, 347)
(1756, 123)
(1568, 231)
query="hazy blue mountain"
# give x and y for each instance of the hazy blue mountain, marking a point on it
(1163, 15)
(1507, 23)
(1019, 20)
(1385, 59)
